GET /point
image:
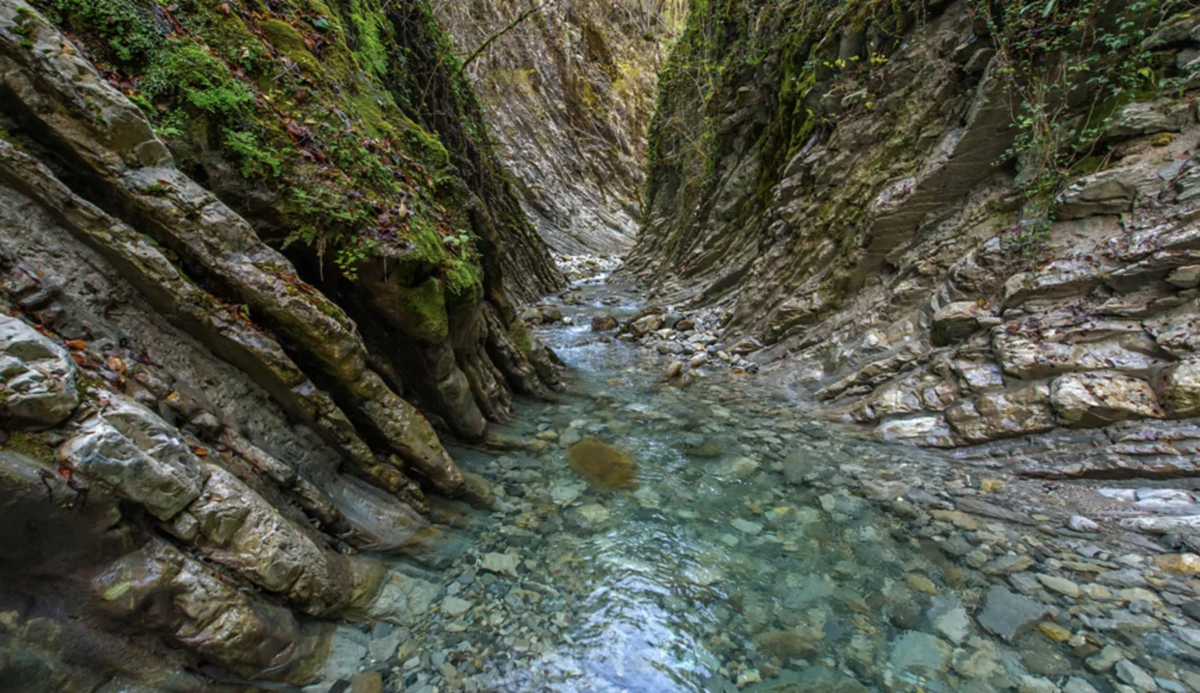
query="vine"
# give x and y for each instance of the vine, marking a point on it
(1068, 67)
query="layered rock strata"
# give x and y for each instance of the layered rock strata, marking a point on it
(861, 211)
(200, 432)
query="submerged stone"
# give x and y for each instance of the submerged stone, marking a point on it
(706, 449)
(602, 465)
(1008, 614)
(921, 652)
(790, 643)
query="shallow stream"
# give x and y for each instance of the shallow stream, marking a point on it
(746, 558)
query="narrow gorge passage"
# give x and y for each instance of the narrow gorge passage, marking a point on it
(599, 346)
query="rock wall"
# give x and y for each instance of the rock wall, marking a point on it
(569, 92)
(850, 184)
(243, 293)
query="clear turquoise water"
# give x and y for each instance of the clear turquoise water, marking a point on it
(665, 588)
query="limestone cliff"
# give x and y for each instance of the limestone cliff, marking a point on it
(569, 91)
(958, 222)
(254, 260)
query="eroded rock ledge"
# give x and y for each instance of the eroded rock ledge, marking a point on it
(860, 214)
(197, 442)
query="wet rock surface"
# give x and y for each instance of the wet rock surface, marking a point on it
(217, 476)
(39, 378)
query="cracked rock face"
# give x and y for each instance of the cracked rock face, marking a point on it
(569, 93)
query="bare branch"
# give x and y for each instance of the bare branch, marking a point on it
(488, 41)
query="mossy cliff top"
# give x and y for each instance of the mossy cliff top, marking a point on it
(345, 127)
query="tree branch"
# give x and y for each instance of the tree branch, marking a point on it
(488, 41)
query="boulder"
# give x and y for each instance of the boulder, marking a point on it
(1149, 118)
(645, 325)
(1181, 391)
(604, 323)
(930, 430)
(550, 313)
(37, 378)
(1089, 400)
(143, 459)
(1005, 414)
(237, 528)
(957, 321)
(209, 614)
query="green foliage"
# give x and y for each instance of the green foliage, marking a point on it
(371, 28)
(323, 105)
(127, 30)
(1092, 49)
(21, 29)
(256, 160)
(462, 277)
(286, 39)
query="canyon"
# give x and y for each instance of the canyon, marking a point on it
(628, 345)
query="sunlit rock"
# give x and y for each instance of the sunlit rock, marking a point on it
(37, 378)
(1182, 392)
(1098, 399)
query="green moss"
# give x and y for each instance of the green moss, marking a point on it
(424, 146)
(519, 335)
(184, 74)
(288, 40)
(423, 310)
(32, 445)
(462, 277)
